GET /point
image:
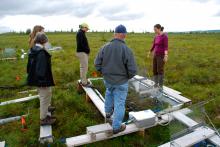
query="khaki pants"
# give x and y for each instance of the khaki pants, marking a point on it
(45, 94)
(83, 59)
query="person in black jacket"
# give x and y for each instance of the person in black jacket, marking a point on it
(40, 75)
(83, 51)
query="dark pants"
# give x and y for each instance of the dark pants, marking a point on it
(158, 69)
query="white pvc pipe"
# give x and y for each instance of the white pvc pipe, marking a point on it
(10, 119)
(19, 100)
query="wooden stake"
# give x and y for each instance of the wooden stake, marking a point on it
(141, 132)
(79, 88)
(88, 99)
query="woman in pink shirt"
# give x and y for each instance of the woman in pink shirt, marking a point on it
(160, 54)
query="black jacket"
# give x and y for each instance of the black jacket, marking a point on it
(82, 42)
(39, 68)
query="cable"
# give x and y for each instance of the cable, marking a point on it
(168, 122)
(203, 110)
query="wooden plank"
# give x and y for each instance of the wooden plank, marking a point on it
(169, 116)
(170, 90)
(2, 144)
(131, 128)
(179, 97)
(46, 133)
(190, 139)
(99, 128)
(85, 139)
(19, 100)
(215, 140)
(95, 99)
(184, 119)
(166, 145)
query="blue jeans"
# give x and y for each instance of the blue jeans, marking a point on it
(115, 98)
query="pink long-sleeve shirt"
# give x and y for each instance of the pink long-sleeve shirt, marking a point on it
(160, 44)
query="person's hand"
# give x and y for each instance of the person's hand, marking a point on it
(165, 58)
(148, 55)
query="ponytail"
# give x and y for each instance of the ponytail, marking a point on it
(158, 26)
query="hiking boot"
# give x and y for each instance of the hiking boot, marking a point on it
(52, 117)
(88, 84)
(51, 109)
(108, 120)
(47, 121)
(122, 128)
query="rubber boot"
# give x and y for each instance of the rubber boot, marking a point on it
(160, 81)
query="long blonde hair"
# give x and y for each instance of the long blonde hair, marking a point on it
(35, 30)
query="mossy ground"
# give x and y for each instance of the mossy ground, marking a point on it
(193, 68)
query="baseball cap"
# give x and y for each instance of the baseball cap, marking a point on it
(121, 29)
(84, 25)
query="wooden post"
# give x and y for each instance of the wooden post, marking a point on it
(141, 132)
(79, 88)
(88, 99)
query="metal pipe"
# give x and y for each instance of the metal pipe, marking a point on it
(11, 119)
(19, 100)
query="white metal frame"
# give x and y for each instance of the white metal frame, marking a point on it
(131, 128)
(198, 134)
(45, 131)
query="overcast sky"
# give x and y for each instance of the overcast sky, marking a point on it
(136, 15)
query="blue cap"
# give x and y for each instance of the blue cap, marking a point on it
(121, 29)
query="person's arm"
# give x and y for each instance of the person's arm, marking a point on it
(41, 65)
(98, 60)
(130, 64)
(153, 46)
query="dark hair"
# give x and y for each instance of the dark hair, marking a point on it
(41, 38)
(158, 26)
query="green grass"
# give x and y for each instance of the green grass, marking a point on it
(193, 68)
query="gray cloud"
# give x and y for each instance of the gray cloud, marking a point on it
(117, 13)
(46, 7)
(202, 1)
(61, 7)
(218, 14)
(205, 1)
(123, 16)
